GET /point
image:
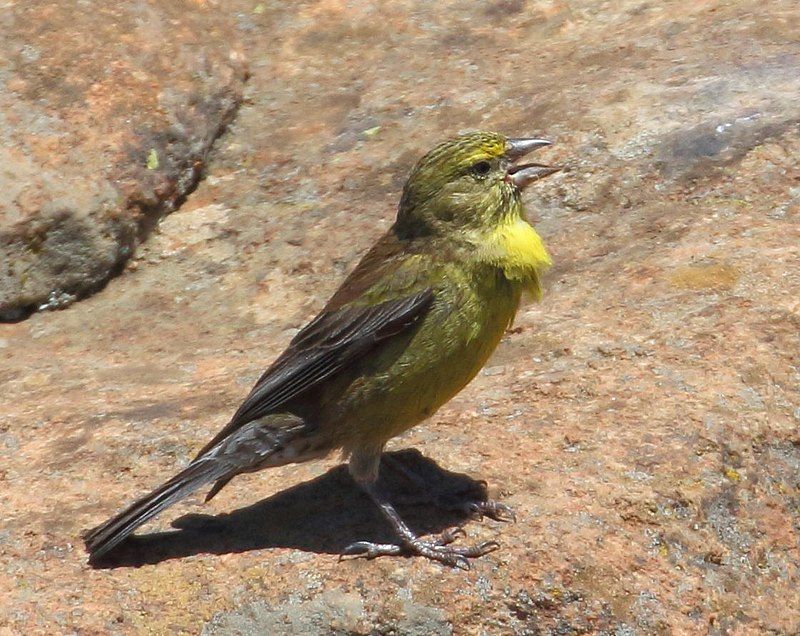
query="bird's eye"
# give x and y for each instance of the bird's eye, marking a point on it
(482, 168)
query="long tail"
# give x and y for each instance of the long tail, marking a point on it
(255, 445)
(197, 474)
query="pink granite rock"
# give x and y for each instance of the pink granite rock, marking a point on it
(642, 419)
(108, 114)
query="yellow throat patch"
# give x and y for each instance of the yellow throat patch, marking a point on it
(519, 251)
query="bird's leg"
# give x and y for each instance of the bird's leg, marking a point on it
(478, 507)
(438, 549)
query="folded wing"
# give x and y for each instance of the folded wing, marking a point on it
(329, 343)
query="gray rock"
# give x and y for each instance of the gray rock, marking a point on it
(105, 124)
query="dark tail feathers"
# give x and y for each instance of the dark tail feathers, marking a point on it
(197, 474)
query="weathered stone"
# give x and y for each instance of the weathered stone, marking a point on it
(107, 113)
(645, 425)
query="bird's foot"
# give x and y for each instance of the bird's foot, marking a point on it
(490, 508)
(475, 508)
(438, 549)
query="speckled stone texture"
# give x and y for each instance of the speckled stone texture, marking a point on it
(107, 113)
(642, 419)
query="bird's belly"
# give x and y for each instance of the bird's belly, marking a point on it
(415, 375)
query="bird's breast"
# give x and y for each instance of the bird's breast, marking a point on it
(412, 376)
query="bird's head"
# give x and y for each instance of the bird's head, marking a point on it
(468, 182)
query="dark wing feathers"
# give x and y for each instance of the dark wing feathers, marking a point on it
(326, 345)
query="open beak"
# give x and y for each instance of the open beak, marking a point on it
(523, 174)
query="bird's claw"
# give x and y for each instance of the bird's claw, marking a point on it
(450, 535)
(492, 509)
(369, 550)
(437, 550)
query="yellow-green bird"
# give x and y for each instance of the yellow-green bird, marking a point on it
(407, 330)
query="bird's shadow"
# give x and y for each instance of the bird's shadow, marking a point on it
(323, 515)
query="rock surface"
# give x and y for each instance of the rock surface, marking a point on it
(642, 419)
(107, 112)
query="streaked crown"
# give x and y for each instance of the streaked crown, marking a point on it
(451, 158)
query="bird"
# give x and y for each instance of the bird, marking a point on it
(409, 327)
